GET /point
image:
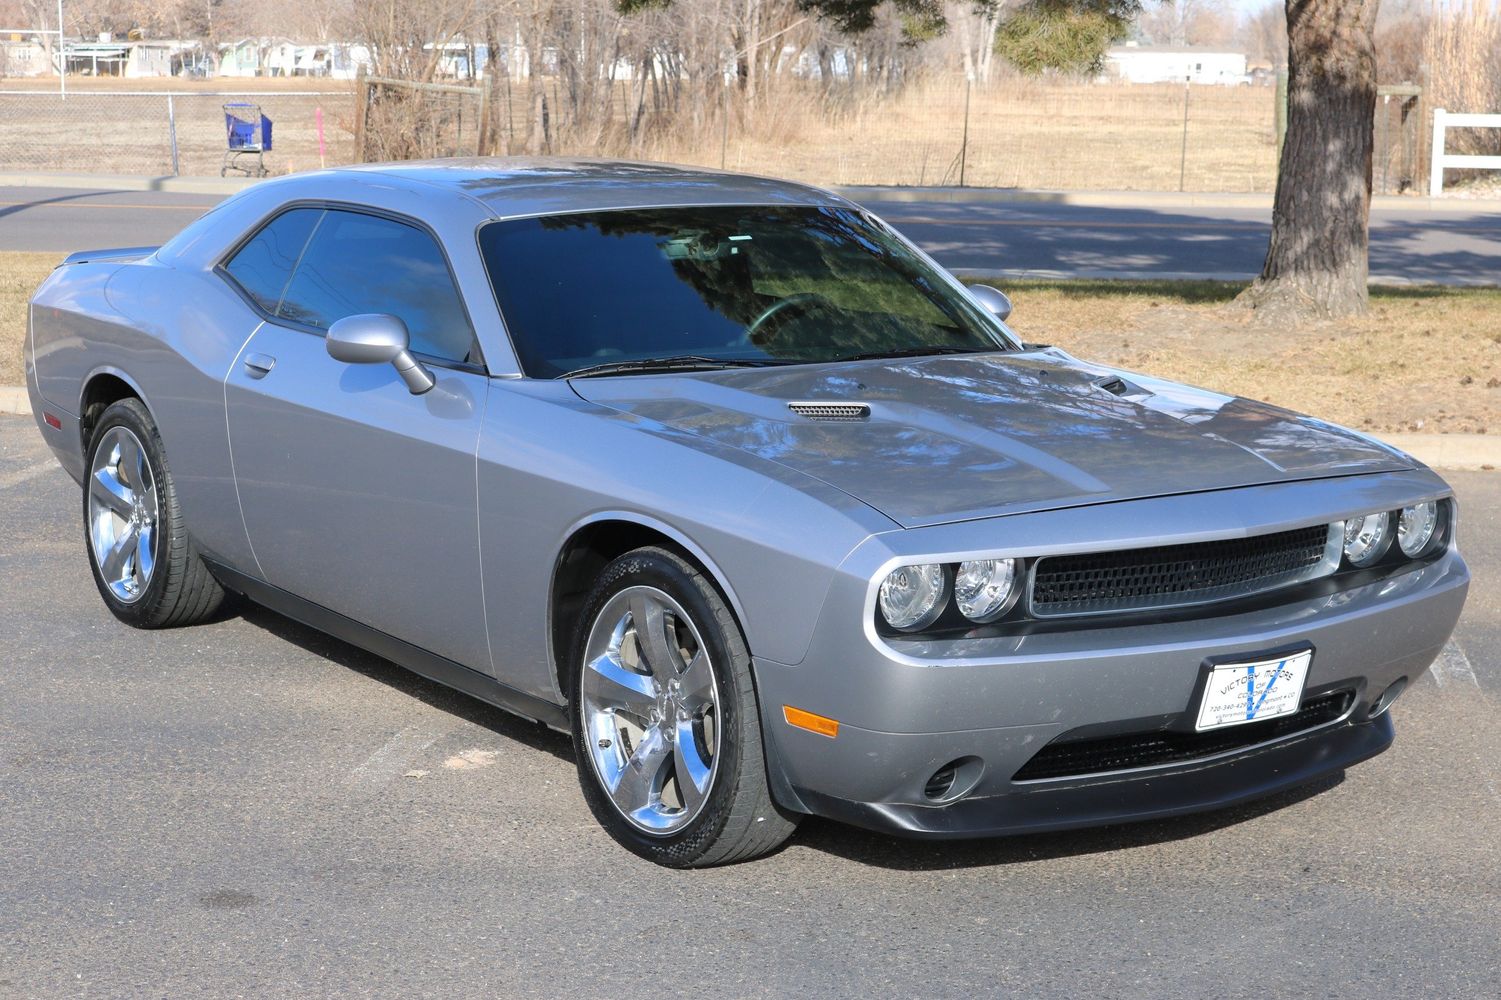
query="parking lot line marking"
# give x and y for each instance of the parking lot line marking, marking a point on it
(391, 760)
(30, 472)
(1453, 665)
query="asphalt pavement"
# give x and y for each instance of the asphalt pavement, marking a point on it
(1152, 236)
(248, 808)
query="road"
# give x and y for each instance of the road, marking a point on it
(249, 808)
(1408, 245)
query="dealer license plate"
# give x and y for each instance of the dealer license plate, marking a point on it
(1238, 693)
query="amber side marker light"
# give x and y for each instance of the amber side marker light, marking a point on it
(812, 723)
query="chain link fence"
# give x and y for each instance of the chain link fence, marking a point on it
(1022, 134)
(144, 132)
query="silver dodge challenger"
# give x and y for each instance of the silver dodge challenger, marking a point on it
(726, 479)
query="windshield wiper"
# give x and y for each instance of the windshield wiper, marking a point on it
(676, 363)
(916, 352)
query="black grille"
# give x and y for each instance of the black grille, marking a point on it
(938, 786)
(1068, 758)
(1171, 575)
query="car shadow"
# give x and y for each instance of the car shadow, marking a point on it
(899, 854)
(444, 699)
(829, 837)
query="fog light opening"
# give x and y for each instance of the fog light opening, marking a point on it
(1388, 696)
(954, 780)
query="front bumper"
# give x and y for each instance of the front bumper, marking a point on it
(908, 709)
(1125, 796)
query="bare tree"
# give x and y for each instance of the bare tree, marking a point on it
(1186, 22)
(1263, 33)
(975, 29)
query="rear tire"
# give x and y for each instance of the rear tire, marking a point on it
(667, 730)
(143, 560)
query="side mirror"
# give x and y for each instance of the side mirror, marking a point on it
(993, 299)
(376, 339)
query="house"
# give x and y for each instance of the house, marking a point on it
(24, 55)
(240, 58)
(133, 57)
(1134, 63)
(284, 57)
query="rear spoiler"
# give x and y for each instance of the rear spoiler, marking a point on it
(118, 253)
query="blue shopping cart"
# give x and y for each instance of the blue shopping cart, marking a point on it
(248, 139)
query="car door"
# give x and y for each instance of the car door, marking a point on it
(358, 495)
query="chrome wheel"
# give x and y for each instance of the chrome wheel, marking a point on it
(650, 709)
(123, 514)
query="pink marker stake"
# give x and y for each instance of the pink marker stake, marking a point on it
(318, 117)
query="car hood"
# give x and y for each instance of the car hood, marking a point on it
(957, 437)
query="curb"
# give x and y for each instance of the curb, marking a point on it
(855, 193)
(1454, 452)
(1459, 452)
(1242, 277)
(13, 400)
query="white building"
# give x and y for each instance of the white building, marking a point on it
(1174, 64)
(284, 57)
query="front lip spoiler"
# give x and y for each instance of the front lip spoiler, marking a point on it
(1123, 797)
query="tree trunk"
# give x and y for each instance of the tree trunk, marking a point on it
(825, 65)
(1316, 265)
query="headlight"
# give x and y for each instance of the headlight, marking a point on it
(912, 597)
(983, 587)
(1367, 538)
(1416, 526)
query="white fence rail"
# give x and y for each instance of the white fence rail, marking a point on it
(1444, 120)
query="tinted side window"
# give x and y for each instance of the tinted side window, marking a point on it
(358, 263)
(264, 265)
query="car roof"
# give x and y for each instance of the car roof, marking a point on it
(516, 186)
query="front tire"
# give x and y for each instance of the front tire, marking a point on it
(666, 726)
(144, 563)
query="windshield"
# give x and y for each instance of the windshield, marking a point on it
(703, 287)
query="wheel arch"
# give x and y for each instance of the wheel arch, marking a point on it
(102, 387)
(590, 546)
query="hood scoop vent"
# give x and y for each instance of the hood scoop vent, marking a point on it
(831, 411)
(1117, 386)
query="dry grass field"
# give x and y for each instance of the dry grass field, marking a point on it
(1021, 133)
(20, 273)
(128, 135)
(120, 126)
(1425, 359)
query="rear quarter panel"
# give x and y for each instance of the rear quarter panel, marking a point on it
(169, 333)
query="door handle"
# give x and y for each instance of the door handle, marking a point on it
(259, 365)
